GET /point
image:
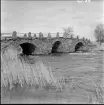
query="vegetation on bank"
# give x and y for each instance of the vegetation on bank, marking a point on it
(17, 69)
(99, 33)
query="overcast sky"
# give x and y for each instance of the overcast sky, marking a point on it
(51, 16)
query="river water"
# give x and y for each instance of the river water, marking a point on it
(87, 68)
(76, 63)
(84, 74)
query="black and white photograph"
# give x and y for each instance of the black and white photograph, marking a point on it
(52, 51)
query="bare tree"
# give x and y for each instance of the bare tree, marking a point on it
(68, 32)
(99, 33)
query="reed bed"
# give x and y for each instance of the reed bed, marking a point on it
(16, 69)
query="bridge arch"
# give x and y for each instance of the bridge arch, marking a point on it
(78, 46)
(28, 48)
(56, 46)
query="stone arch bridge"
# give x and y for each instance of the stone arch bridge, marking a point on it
(46, 46)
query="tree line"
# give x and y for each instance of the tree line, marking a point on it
(98, 33)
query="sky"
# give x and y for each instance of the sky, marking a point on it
(51, 16)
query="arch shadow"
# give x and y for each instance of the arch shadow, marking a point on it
(55, 47)
(27, 48)
(78, 46)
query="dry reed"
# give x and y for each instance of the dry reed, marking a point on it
(15, 70)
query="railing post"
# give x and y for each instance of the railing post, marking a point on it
(29, 35)
(49, 36)
(57, 35)
(34, 36)
(14, 35)
(77, 37)
(40, 35)
(25, 36)
(83, 39)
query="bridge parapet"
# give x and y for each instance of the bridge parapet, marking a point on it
(45, 44)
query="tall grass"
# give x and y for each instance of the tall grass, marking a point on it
(15, 70)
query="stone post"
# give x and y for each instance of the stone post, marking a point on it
(49, 36)
(34, 36)
(29, 35)
(25, 36)
(83, 39)
(40, 35)
(14, 35)
(57, 35)
(78, 37)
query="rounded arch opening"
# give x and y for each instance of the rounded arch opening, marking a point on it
(27, 48)
(78, 46)
(55, 47)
